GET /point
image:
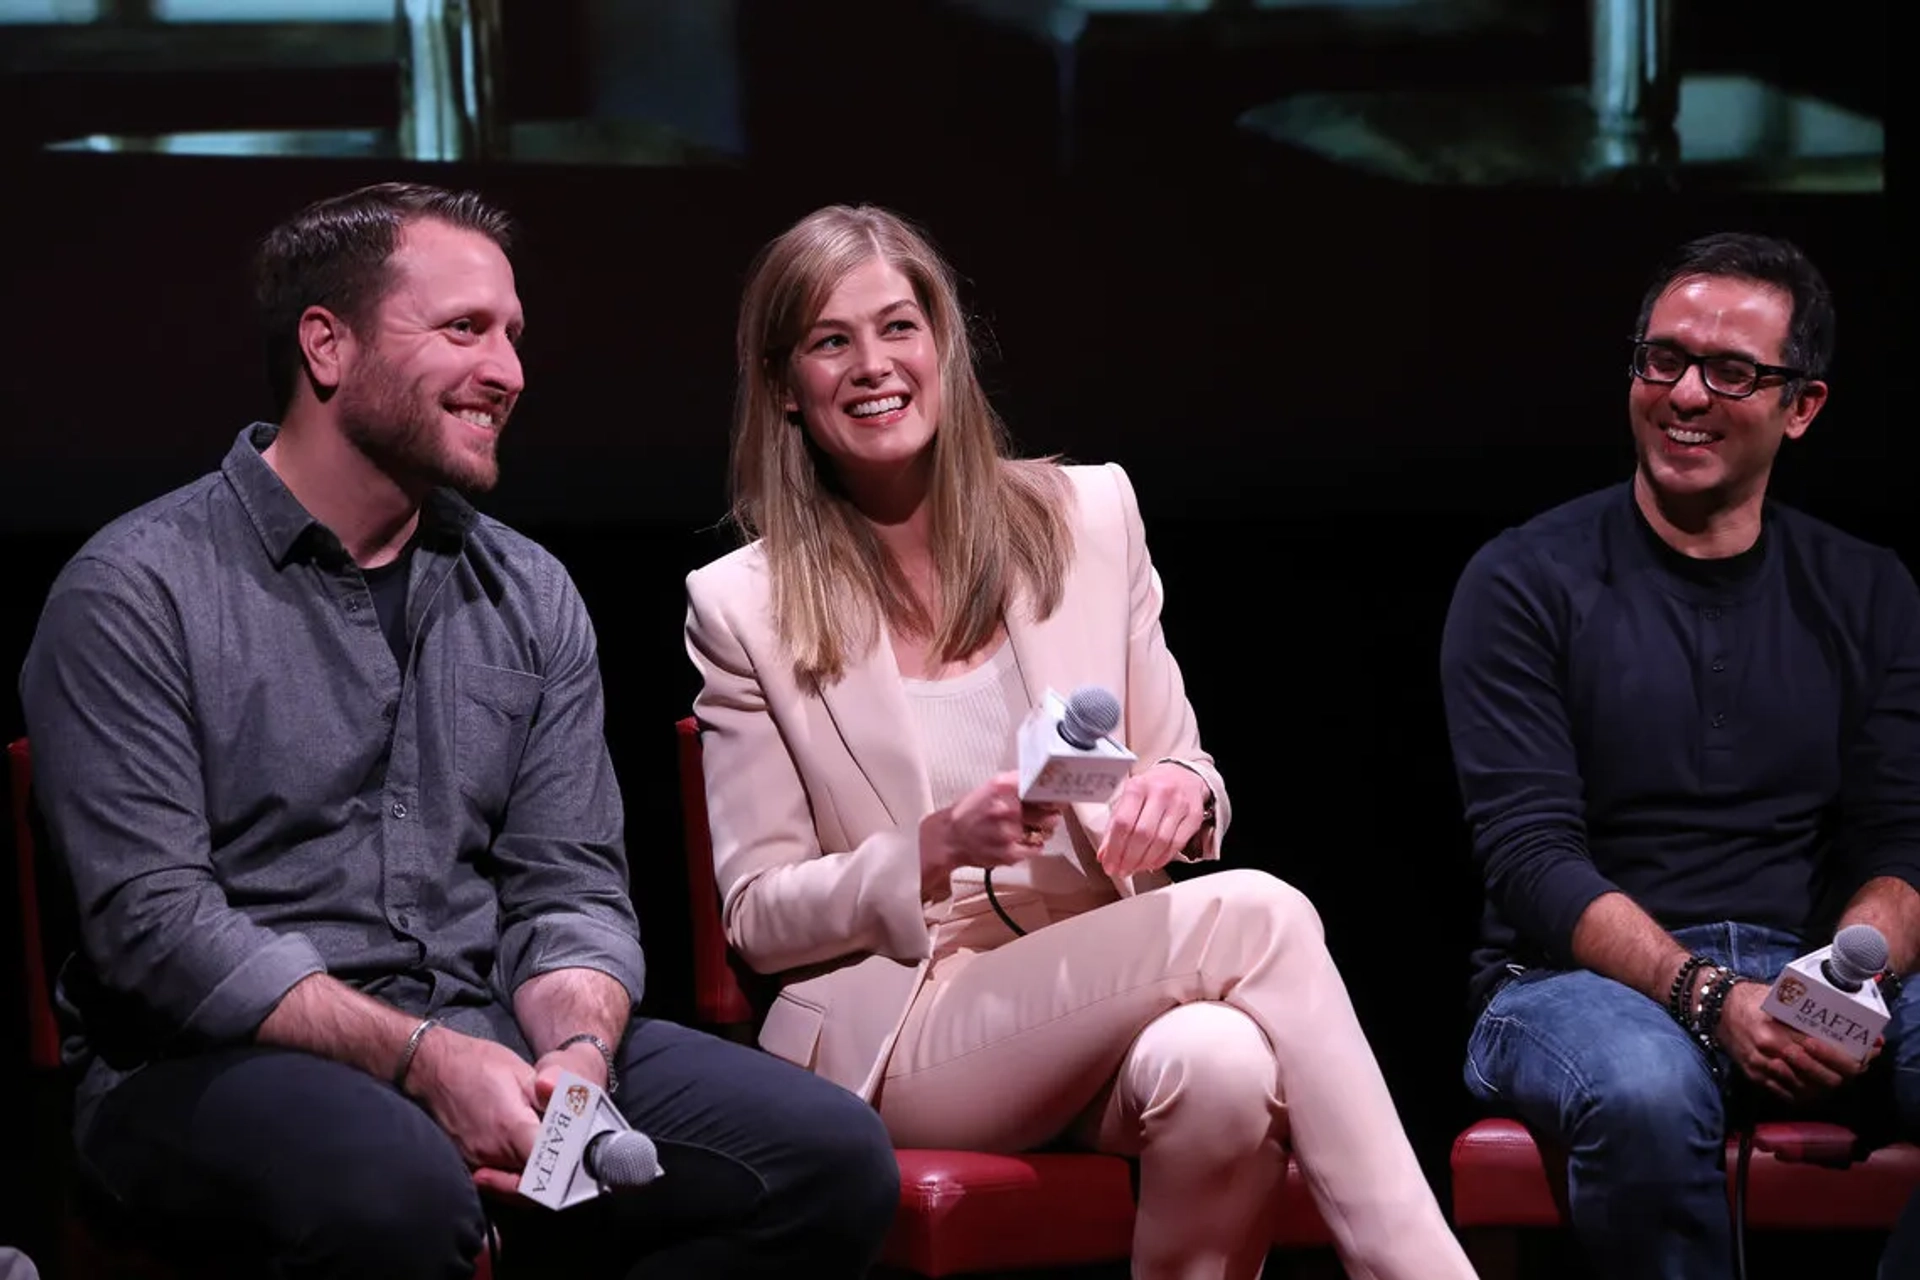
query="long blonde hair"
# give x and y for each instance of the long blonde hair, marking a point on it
(995, 523)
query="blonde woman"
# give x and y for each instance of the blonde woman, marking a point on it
(909, 594)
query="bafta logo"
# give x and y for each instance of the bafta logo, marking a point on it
(577, 1099)
(1791, 989)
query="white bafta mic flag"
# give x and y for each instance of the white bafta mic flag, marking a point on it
(1065, 754)
(1830, 994)
(585, 1149)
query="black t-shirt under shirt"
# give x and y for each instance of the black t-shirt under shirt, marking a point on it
(388, 585)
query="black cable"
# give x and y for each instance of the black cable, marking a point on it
(999, 910)
(1740, 1204)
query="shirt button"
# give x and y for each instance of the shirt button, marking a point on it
(399, 810)
(1710, 614)
(1719, 666)
(353, 606)
(1719, 720)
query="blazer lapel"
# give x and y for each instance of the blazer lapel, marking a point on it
(869, 711)
(1043, 650)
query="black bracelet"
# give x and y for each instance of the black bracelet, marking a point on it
(1679, 996)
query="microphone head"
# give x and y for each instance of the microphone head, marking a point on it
(622, 1158)
(1092, 714)
(1859, 952)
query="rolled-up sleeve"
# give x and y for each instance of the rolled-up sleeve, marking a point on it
(117, 775)
(565, 901)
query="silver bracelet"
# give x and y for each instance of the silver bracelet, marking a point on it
(413, 1047)
(587, 1037)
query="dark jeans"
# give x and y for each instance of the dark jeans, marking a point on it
(1606, 1073)
(317, 1169)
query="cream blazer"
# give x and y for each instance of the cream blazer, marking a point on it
(815, 800)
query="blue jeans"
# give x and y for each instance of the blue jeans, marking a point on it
(1605, 1073)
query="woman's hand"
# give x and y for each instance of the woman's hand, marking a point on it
(1154, 815)
(987, 827)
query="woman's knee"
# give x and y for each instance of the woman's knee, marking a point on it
(1205, 1069)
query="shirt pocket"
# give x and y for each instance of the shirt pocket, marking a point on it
(493, 712)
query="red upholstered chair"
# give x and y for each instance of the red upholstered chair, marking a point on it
(960, 1211)
(1802, 1176)
(88, 1253)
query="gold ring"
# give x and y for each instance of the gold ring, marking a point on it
(1034, 835)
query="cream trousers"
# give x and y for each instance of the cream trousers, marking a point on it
(1200, 1028)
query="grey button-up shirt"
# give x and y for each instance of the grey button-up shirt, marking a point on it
(246, 787)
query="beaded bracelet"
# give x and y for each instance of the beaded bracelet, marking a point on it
(1713, 1002)
(1698, 1021)
(1678, 996)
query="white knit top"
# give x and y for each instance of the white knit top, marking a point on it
(966, 724)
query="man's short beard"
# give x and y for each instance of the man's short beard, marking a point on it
(383, 419)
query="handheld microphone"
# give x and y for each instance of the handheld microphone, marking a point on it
(1091, 714)
(1066, 756)
(621, 1158)
(1829, 993)
(1858, 953)
(586, 1148)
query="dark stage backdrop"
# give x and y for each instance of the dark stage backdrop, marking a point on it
(1328, 392)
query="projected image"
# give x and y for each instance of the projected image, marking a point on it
(1452, 93)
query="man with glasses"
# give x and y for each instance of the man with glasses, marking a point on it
(1686, 723)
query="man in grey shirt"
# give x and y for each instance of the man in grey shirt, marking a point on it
(321, 749)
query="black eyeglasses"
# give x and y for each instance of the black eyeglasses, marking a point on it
(1734, 377)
